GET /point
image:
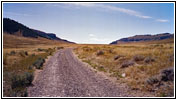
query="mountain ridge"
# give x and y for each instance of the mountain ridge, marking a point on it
(144, 38)
(15, 28)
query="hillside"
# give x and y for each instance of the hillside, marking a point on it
(16, 28)
(144, 38)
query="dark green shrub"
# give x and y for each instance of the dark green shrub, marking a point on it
(30, 67)
(152, 80)
(100, 53)
(17, 81)
(12, 53)
(50, 51)
(24, 94)
(167, 74)
(22, 80)
(127, 63)
(28, 78)
(138, 58)
(149, 60)
(26, 53)
(19, 93)
(39, 63)
(33, 55)
(39, 49)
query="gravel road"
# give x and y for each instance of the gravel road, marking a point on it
(66, 76)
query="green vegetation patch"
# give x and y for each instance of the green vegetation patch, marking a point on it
(17, 76)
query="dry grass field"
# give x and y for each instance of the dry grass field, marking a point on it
(140, 65)
(144, 66)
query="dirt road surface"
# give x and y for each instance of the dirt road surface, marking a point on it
(66, 76)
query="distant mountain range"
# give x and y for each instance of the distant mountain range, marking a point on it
(144, 38)
(13, 27)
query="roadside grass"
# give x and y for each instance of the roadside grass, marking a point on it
(21, 57)
(148, 58)
(18, 74)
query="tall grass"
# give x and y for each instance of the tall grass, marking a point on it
(148, 60)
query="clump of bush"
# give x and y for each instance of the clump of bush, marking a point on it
(117, 57)
(50, 51)
(167, 74)
(162, 81)
(138, 58)
(33, 55)
(101, 68)
(149, 59)
(39, 63)
(30, 67)
(100, 53)
(23, 53)
(12, 53)
(39, 49)
(22, 80)
(164, 76)
(152, 80)
(127, 63)
(19, 93)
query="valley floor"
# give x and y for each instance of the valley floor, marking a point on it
(65, 76)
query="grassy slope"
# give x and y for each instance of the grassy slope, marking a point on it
(136, 75)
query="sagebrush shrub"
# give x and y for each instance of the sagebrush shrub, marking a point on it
(12, 53)
(22, 80)
(138, 58)
(149, 60)
(127, 63)
(39, 63)
(100, 53)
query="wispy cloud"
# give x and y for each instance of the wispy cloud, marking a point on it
(83, 4)
(16, 14)
(62, 5)
(162, 20)
(112, 8)
(108, 7)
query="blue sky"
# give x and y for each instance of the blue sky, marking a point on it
(97, 23)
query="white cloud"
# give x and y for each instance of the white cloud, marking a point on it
(162, 20)
(91, 35)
